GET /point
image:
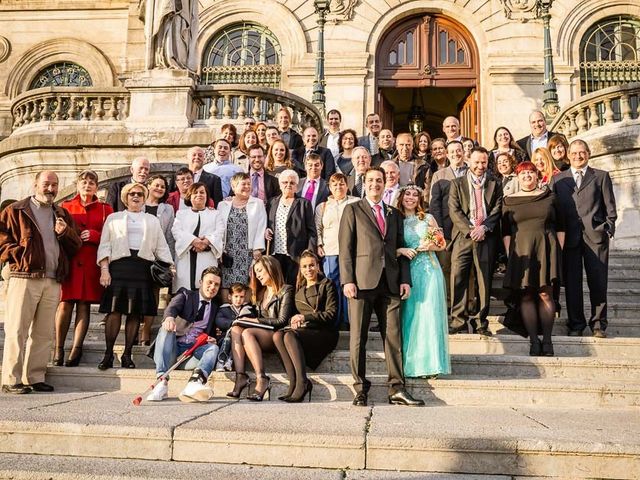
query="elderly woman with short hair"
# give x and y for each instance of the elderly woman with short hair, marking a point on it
(245, 220)
(291, 226)
(131, 241)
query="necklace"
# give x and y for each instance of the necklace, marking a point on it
(528, 191)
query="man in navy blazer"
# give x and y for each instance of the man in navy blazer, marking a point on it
(587, 211)
(189, 314)
(299, 155)
(313, 187)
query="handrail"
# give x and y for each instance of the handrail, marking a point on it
(603, 107)
(228, 102)
(70, 103)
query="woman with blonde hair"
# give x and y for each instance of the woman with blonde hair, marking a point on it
(278, 158)
(541, 158)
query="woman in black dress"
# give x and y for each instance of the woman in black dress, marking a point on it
(311, 334)
(533, 240)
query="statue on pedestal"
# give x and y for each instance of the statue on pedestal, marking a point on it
(171, 31)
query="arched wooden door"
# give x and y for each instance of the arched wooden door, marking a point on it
(430, 61)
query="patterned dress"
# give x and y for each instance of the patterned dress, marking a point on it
(425, 340)
(236, 247)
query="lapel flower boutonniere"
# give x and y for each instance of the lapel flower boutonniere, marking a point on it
(387, 210)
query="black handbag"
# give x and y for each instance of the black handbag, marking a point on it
(227, 260)
(161, 273)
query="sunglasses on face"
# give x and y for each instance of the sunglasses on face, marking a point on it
(135, 194)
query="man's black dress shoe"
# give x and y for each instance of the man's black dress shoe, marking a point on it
(575, 333)
(485, 332)
(17, 389)
(402, 397)
(41, 387)
(360, 400)
(599, 333)
(460, 329)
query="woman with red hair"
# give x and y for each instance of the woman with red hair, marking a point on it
(532, 239)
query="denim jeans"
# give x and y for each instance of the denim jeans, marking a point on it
(331, 269)
(168, 350)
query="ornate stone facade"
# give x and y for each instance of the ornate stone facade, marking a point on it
(106, 37)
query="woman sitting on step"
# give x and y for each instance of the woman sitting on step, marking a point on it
(275, 303)
(311, 334)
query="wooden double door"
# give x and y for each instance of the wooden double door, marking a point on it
(428, 62)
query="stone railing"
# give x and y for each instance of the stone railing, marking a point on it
(604, 107)
(232, 103)
(70, 103)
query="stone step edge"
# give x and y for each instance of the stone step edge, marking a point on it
(451, 381)
(177, 444)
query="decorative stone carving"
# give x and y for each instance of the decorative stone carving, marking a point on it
(522, 10)
(341, 10)
(5, 49)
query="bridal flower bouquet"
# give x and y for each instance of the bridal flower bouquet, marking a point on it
(435, 236)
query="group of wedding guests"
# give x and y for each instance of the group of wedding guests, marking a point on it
(303, 240)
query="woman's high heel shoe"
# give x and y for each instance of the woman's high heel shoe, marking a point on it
(257, 396)
(308, 388)
(74, 357)
(547, 349)
(107, 362)
(126, 362)
(239, 385)
(58, 359)
(286, 395)
(536, 348)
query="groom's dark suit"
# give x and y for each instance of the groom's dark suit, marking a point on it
(368, 259)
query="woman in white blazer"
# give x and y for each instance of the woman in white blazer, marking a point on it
(245, 220)
(131, 240)
(198, 232)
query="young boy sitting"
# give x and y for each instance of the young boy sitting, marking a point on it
(236, 309)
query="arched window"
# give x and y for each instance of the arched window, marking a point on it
(610, 54)
(242, 53)
(63, 74)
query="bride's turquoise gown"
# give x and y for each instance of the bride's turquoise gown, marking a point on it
(425, 333)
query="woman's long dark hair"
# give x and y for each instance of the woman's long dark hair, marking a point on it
(300, 280)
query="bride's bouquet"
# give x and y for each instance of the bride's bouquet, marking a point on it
(433, 236)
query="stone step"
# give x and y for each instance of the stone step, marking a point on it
(475, 389)
(487, 440)
(485, 361)
(617, 328)
(458, 345)
(56, 467)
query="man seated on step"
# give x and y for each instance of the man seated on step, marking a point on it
(189, 314)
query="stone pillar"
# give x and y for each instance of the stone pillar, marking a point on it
(161, 99)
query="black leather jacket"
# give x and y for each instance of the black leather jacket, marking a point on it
(279, 310)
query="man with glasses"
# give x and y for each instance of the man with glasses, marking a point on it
(263, 185)
(249, 123)
(184, 179)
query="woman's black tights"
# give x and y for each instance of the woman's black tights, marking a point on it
(112, 329)
(292, 355)
(537, 307)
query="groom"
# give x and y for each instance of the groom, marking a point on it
(374, 279)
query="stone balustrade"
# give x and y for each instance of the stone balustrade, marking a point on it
(70, 103)
(604, 107)
(232, 103)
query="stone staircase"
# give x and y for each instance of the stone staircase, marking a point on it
(501, 412)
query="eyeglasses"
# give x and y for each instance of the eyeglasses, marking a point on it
(135, 194)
